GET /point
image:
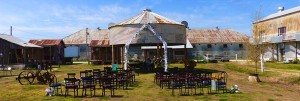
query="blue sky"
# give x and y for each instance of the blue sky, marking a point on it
(49, 19)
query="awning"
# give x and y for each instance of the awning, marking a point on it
(188, 45)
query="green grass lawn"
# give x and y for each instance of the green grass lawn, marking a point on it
(283, 66)
(143, 89)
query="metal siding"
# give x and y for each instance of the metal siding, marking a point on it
(172, 34)
(47, 42)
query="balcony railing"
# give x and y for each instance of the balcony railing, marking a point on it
(289, 37)
(297, 37)
(276, 39)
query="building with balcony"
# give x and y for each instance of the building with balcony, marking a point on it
(281, 32)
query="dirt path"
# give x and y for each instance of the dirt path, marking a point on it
(285, 71)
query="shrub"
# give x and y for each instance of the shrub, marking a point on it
(295, 61)
(190, 64)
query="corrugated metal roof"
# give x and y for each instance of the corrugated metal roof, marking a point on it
(17, 41)
(80, 36)
(99, 43)
(215, 36)
(280, 13)
(147, 16)
(46, 42)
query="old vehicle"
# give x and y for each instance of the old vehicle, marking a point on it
(28, 77)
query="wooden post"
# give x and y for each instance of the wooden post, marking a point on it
(185, 52)
(24, 55)
(50, 55)
(157, 51)
(105, 54)
(185, 55)
(113, 55)
(296, 50)
(121, 54)
(118, 54)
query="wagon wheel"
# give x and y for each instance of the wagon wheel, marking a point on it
(22, 78)
(30, 77)
(40, 77)
(48, 77)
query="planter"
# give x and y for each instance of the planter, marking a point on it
(253, 78)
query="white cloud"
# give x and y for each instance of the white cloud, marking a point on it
(61, 20)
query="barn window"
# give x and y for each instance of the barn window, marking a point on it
(241, 45)
(224, 45)
(208, 45)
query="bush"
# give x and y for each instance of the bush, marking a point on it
(190, 64)
(295, 61)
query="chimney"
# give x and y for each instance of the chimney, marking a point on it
(280, 8)
(86, 31)
(10, 30)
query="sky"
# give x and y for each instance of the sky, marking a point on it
(52, 19)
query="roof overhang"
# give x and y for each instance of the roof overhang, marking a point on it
(188, 45)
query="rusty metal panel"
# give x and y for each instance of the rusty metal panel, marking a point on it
(147, 16)
(215, 36)
(81, 37)
(172, 34)
(99, 43)
(46, 42)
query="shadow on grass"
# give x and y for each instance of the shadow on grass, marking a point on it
(7, 76)
(143, 71)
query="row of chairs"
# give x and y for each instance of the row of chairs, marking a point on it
(192, 81)
(97, 79)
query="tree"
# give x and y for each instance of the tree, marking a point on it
(256, 46)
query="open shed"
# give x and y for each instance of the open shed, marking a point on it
(14, 50)
(100, 49)
(52, 52)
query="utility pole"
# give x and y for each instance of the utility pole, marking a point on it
(86, 41)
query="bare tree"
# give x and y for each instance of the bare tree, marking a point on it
(256, 46)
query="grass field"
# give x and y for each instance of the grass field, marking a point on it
(279, 83)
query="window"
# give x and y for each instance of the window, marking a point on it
(281, 31)
(208, 45)
(261, 36)
(224, 45)
(241, 45)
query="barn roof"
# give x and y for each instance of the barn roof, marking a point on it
(46, 42)
(147, 16)
(80, 36)
(215, 36)
(17, 41)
